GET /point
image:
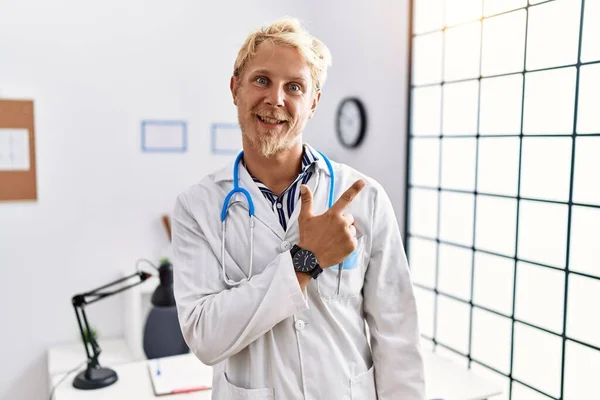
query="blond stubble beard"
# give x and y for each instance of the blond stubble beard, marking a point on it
(269, 143)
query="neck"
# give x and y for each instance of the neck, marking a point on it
(278, 171)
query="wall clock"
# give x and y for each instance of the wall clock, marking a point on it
(351, 122)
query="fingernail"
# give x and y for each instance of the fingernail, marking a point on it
(302, 189)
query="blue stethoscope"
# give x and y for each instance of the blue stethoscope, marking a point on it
(238, 189)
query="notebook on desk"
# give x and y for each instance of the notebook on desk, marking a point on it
(179, 374)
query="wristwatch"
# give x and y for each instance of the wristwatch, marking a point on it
(305, 261)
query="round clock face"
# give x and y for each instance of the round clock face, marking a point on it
(305, 260)
(351, 122)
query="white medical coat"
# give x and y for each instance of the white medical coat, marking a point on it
(266, 338)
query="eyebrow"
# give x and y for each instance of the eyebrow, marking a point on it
(267, 72)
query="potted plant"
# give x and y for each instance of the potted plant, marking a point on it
(164, 261)
(86, 335)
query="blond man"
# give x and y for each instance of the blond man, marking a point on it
(279, 288)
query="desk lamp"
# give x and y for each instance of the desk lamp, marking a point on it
(162, 335)
(95, 376)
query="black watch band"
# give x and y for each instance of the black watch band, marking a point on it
(316, 271)
(294, 250)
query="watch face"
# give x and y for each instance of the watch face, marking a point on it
(305, 260)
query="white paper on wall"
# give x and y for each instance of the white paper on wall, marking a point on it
(14, 149)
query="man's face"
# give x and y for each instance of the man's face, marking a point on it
(275, 98)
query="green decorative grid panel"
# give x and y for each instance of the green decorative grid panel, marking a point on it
(503, 194)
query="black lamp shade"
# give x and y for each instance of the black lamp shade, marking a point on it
(163, 295)
(162, 334)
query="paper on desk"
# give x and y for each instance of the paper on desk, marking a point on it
(179, 374)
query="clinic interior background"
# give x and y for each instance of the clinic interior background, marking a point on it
(502, 219)
(96, 70)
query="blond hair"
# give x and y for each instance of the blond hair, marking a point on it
(290, 33)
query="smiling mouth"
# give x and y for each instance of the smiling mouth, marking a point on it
(270, 121)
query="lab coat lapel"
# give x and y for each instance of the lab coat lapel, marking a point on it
(262, 208)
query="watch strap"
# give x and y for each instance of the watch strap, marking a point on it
(316, 271)
(294, 250)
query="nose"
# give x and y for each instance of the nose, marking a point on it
(275, 96)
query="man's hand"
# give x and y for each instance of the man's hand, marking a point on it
(332, 235)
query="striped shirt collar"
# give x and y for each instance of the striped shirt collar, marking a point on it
(284, 204)
(225, 173)
(309, 157)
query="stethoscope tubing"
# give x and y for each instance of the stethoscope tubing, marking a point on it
(238, 189)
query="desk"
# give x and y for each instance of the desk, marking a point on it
(65, 357)
(449, 381)
(445, 380)
(134, 383)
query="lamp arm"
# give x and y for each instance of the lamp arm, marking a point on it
(79, 302)
(96, 294)
(80, 314)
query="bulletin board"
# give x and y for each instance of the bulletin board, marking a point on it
(17, 151)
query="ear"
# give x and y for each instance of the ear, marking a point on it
(315, 102)
(233, 86)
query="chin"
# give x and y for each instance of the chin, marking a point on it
(270, 146)
(269, 142)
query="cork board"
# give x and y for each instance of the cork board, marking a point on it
(17, 151)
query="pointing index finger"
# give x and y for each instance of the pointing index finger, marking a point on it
(349, 195)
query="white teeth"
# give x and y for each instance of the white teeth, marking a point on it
(269, 120)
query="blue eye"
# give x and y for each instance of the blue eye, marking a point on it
(294, 87)
(261, 80)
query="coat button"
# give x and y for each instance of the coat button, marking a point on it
(285, 245)
(279, 205)
(299, 325)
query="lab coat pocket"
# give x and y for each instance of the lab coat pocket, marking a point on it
(328, 283)
(362, 386)
(238, 393)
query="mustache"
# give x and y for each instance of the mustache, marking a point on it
(273, 114)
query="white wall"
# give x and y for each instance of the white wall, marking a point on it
(95, 70)
(370, 61)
